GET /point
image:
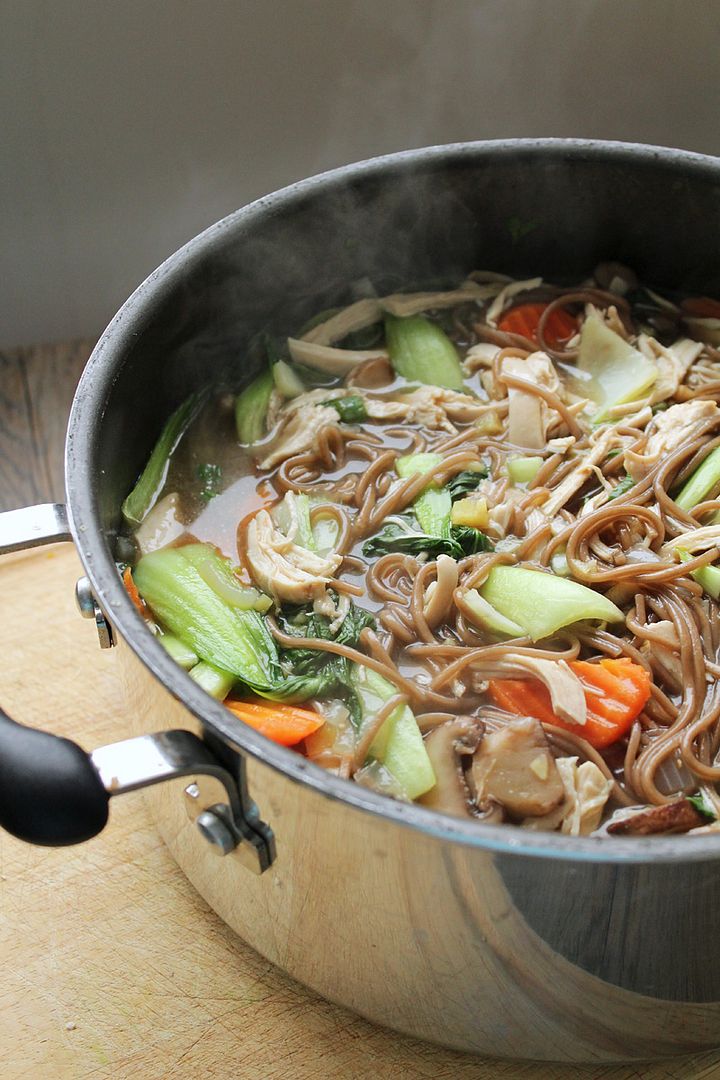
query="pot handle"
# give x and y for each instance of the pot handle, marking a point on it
(49, 791)
(54, 793)
(32, 526)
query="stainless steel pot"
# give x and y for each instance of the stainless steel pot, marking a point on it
(483, 938)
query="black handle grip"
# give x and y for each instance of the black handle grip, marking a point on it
(50, 791)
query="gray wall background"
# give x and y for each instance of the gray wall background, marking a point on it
(130, 125)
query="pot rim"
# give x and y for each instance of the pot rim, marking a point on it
(84, 427)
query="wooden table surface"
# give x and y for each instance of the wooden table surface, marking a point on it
(112, 965)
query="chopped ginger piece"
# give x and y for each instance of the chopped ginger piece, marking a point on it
(471, 512)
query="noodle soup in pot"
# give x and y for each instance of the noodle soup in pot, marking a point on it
(457, 544)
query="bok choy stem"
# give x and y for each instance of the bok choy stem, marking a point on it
(433, 505)
(421, 352)
(251, 408)
(237, 641)
(146, 491)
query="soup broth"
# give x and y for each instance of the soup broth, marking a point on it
(459, 547)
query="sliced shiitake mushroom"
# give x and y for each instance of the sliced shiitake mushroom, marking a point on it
(446, 745)
(678, 816)
(515, 767)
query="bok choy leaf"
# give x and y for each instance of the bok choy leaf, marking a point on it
(147, 490)
(399, 535)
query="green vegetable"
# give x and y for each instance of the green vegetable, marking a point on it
(286, 379)
(326, 530)
(463, 483)
(237, 641)
(707, 576)
(433, 505)
(181, 653)
(317, 673)
(542, 603)
(411, 464)
(399, 744)
(210, 476)
(296, 508)
(432, 509)
(214, 681)
(701, 483)
(609, 371)
(470, 541)
(398, 535)
(305, 536)
(351, 410)
(486, 616)
(251, 408)
(219, 575)
(702, 806)
(519, 228)
(625, 484)
(559, 564)
(523, 470)
(146, 491)
(421, 352)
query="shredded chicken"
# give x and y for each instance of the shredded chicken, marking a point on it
(502, 500)
(696, 540)
(502, 300)
(357, 316)
(315, 397)
(299, 429)
(404, 304)
(672, 363)
(364, 313)
(566, 691)
(662, 648)
(333, 361)
(587, 791)
(431, 406)
(529, 417)
(480, 356)
(161, 526)
(283, 569)
(582, 471)
(671, 428)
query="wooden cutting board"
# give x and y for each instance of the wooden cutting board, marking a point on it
(112, 965)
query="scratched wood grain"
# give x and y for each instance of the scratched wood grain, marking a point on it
(112, 964)
(113, 967)
(36, 388)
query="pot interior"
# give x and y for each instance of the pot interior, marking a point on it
(553, 208)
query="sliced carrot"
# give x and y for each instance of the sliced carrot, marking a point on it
(525, 318)
(284, 724)
(526, 697)
(131, 589)
(616, 692)
(701, 307)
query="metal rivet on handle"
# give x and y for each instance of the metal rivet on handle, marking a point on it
(216, 832)
(90, 609)
(84, 598)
